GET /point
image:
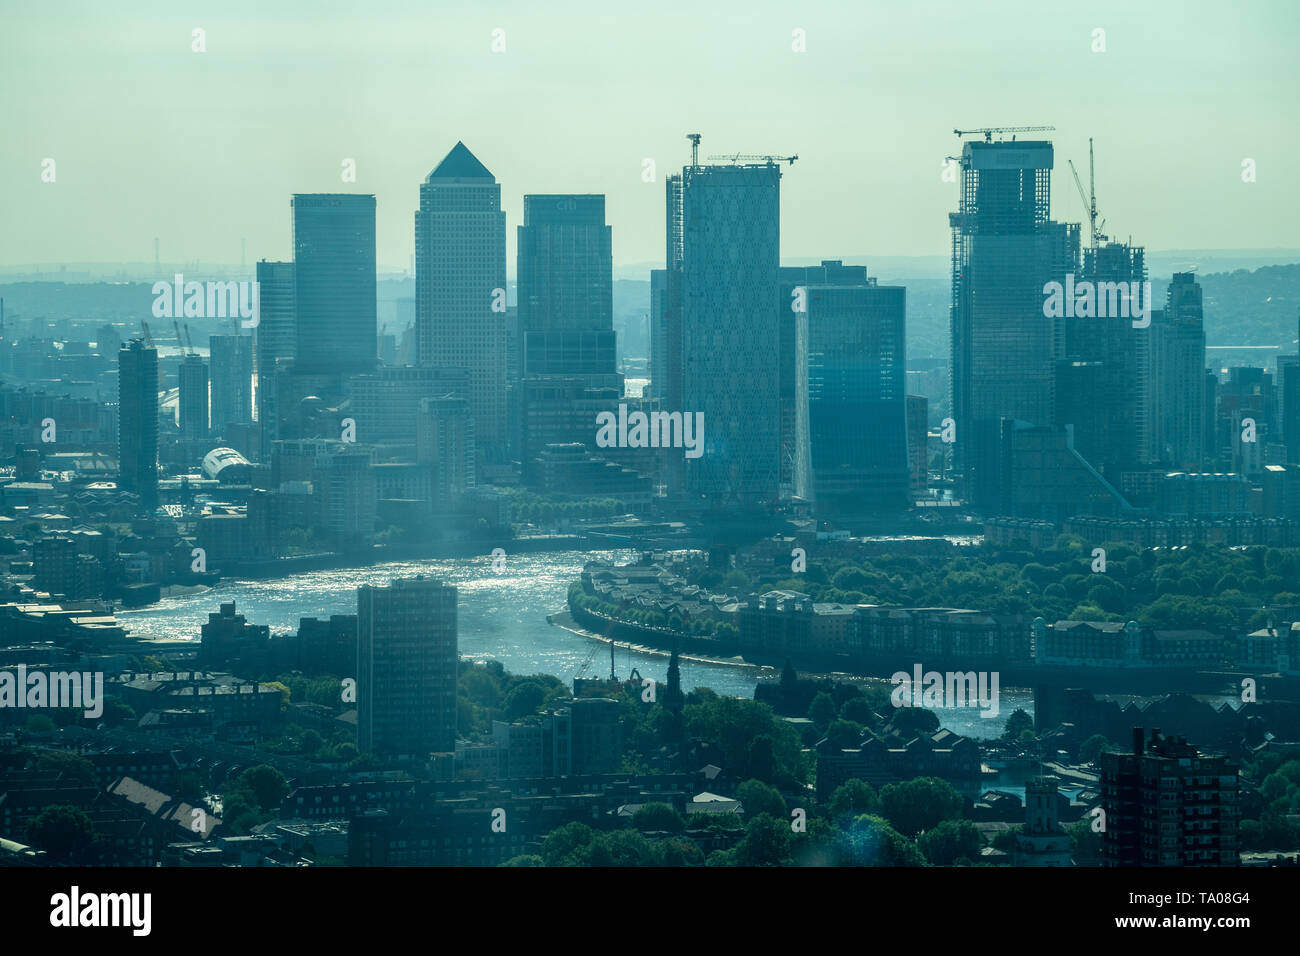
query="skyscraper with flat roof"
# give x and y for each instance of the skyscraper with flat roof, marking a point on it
(230, 360)
(724, 229)
(276, 337)
(407, 668)
(566, 322)
(334, 282)
(850, 399)
(137, 408)
(193, 398)
(1178, 377)
(460, 281)
(566, 268)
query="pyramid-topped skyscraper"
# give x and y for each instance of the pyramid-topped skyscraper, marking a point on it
(460, 275)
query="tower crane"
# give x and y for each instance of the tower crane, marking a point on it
(189, 341)
(744, 157)
(1090, 203)
(988, 131)
(180, 342)
(148, 339)
(695, 148)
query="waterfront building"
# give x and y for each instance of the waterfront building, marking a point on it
(407, 668)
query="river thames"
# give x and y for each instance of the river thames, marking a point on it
(502, 616)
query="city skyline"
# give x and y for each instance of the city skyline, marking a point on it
(422, 537)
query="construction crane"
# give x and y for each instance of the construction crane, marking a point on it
(189, 341)
(743, 158)
(180, 343)
(695, 148)
(148, 339)
(990, 130)
(1090, 203)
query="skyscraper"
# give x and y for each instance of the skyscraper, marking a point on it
(276, 337)
(460, 281)
(1288, 375)
(193, 398)
(659, 353)
(566, 304)
(1111, 405)
(566, 321)
(334, 282)
(850, 399)
(1005, 249)
(137, 405)
(724, 227)
(231, 366)
(407, 663)
(1178, 377)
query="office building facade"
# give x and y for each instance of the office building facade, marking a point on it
(193, 398)
(137, 404)
(334, 283)
(724, 229)
(850, 450)
(1005, 248)
(407, 666)
(460, 281)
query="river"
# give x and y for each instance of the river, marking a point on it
(502, 617)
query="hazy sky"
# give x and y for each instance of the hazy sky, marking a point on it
(200, 149)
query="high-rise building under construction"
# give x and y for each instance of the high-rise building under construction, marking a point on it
(1005, 248)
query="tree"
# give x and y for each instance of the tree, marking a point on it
(526, 859)
(858, 709)
(311, 742)
(760, 759)
(950, 841)
(62, 831)
(766, 842)
(913, 721)
(844, 734)
(871, 841)
(822, 711)
(658, 816)
(853, 798)
(525, 699)
(916, 805)
(1085, 844)
(758, 798)
(74, 767)
(266, 785)
(1092, 748)
(1017, 724)
(560, 845)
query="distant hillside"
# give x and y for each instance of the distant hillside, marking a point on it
(1259, 307)
(1242, 307)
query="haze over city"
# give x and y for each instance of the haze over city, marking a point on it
(202, 149)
